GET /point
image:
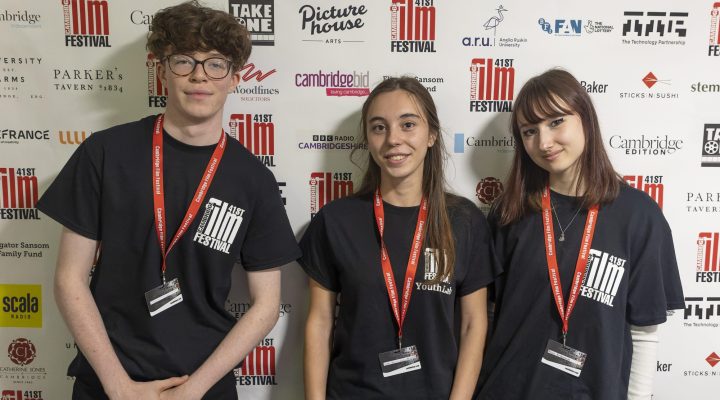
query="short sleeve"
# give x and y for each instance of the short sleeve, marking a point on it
(270, 241)
(317, 257)
(482, 266)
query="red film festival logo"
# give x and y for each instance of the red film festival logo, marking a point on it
(86, 23)
(714, 46)
(488, 189)
(257, 133)
(22, 351)
(708, 261)
(21, 395)
(258, 368)
(328, 186)
(492, 83)
(157, 93)
(412, 26)
(652, 185)
(18, 193)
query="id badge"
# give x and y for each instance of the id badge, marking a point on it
(163, 297)
(564, 358)
(399, 361)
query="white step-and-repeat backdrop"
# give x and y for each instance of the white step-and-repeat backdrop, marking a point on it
(69, 68)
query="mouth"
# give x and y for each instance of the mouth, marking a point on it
(198, 93)
(396, 158)
(552, 156)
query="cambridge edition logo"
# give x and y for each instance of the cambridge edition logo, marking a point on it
(86, 23)
(492, 83)
(412, 26)
(257, 133)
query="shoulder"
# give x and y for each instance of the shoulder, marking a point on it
(123, 134)
(631, 201)
(463, 212)
(346, 206)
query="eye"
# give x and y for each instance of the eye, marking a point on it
(557, 122)
(408, 125)
(529, 132)
(217, 64)
(377, 128)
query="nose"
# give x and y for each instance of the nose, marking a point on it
(198, 73)
(545, 139)
(393, 136)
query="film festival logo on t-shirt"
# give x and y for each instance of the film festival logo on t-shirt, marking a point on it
(86, 23)
(258, 368)
(492, 83)
(603, 277)
(412, 26)
(219, 225)
(431, 270)
(257, 133)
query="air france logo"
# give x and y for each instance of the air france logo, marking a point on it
(258, 16)
(219, 225)
(86, 23)
(431, 271)
(412, 26)
(257, 134)
(258, 368)
(492, 83)
(603, 277)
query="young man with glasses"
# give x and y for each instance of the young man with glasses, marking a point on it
(172, 204)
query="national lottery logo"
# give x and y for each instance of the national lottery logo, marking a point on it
(654, 28)
(412, 26)
(258, 368)
(18, 193)
(21, 306)
(258, 16)
(257, 133)
(651, 184)
(603, 277)
(86, 23)
(711, 146)
(17, 394)
(492, 83)
(219, 225)
(157, 92)
(708, 262)
(328, 186)
(355, 83)
(714, 39)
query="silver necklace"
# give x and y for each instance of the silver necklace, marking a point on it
(562, 231)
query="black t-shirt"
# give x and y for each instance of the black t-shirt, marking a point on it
(632, 278)
(104, 192)
(341, 252)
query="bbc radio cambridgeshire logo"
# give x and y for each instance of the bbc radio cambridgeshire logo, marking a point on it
(412, 26)
(257, 133)
(328, 186)
(492, 83)
(21, 306)
(86, 23)
(258, 368)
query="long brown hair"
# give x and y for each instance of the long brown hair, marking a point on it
(554, 93)
(439, 233)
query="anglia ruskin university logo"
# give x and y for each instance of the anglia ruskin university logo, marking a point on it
(412, 26)
(86, 23)
(492, 83)
(258, 368)
(257, 133)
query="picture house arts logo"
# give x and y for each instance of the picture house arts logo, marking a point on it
(492, 83)
(328, 186)
(711, 146)
(657, 89)
(157, 93)
(412, 26)
(651, 184)
(708, 261)
(702, 312)
(654, 28)
(21, 306)
(258, 368)
(327, 25)
(646, 145)
(491, 27)
(714, 39)
(355, 83)
(86, 23)
(257, 133)
(18, 194)
(258, 16)
(253, 85)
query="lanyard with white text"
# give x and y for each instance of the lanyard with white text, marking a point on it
(388, 275)
(580, 266)
(159, 189)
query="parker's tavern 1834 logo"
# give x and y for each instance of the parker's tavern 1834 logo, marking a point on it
(86, 23)
(412, 26)
(257, 133)
(328, 186)
(18, 193)
(492, 83)
(258, 16)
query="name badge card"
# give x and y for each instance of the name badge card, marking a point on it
(163, 297)
(564, 358)
(399, 361)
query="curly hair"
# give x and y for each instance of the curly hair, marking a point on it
(190, 27)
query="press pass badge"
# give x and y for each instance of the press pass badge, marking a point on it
(564, 358)
(399, 361)
(163, 297)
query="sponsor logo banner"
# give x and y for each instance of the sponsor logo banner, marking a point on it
(257, 133)
(711, 146)
(708, 261)
(258, 16)
(86, 22)
(18, 193)
(328, 186)
(258, 368)
(654, 28)
(651, 184)
(492, 84)
(412, 26)
(21, 306)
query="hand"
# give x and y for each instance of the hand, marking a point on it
(146, 390)
(180, 392)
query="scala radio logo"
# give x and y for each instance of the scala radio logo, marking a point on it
(157, 92)
(21, 395)
(258, 16)
(72, 137)
(488, 189)
(86, 23)
(412, 26)
(652, 185)
(654, 28)
(708, 261)
(714, 46)
(19, 193)
(711, 146)
(328, 186)
(492, 83)
(22, 352)
(337, 83)
(703, 309)
(561, 27)
(258, 368)
(257, 133)
(21, 306)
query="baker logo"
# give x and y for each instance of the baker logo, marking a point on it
(86, 23)
(713, 359)
(157, 92)
(219, 225)
(19, 188)
(72, 137)
(488, 189)
(703, 309)
(412, 26)
(21, 306)
(356, 83)
(652, 185)
(561, 27)
(258, 16)
(431, 271)
(258, 368)
(492, 83)
(603, 277)
(641, 28)
(708, 261)
(22, 352)
(21, 395)
(711, 146)
(328, 186)
(257, 133)
(714, 46)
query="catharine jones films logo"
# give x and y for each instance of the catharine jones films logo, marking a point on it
(708, 262)
(702, 312)
(604, 275)
(654, 28)
(703, 202)
(328, 186)
(20, 394)
(72, 137)
(492, 23)
(21, 306)
(501, 144)
(20, 18)
(86, 23)
(492, 83)
(22, 352)
(16, 136)
(356, 83)
(488, 189)
(656, 90)
(714, 39)
(219, 225)
(258, 368)
(412, 26)
(646, 145)
(561, 27)
(711, 146)
(650, 184)
(157, 92)
(257, 133)
(237, 310)
(258, 16)
(19, 188)
(251, 87)
(332, 21)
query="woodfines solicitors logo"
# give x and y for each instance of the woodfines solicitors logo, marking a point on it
(86, 23)
(21, 306)
(412, 26)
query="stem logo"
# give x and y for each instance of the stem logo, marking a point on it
(652, 185)
(412, 26)
(328, 186)
(86, 23)
(708, 261)
(21, 306)
(157, 93)
(258, 368)
(258, 16)
(257, 133)
(18, 193)
(492, 83)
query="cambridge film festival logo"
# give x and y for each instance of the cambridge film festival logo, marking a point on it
(328, 186)
(654, 28)
(219, 225)
(431, 271)
(22, 352)
(21, 395)
(714, 46)
(257, 133)
(708, 261)
(711, 146)
(258, 16)
(604, 275)
(652, 185)
(86, 23)
(492, 83)
(157, 93)
(412, 26)
(258, 368)
(18, 193)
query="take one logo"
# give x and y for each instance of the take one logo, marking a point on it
(561, 27)
(356, 83)
(21, 306)
(431, 271)
(72, 137)
(650, 184)
(711, 146)
(22, 351)
(219, 225)
(714, 45)
(21, 395)
(412, 26)
(257, 133)
(157, 92)
(19, 193)
(488, 189)
(258, 368)
(708, 261)
(86, 23)
(258, 16)
(328, 186)
(654, 28)
(603, 277)
(332, 21)
(251, 88)
(706, 310)
(492, 84)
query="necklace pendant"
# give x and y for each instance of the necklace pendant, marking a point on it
(562, 237)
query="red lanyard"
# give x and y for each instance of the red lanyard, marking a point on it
(418, 239)
(159, 189)
(582, 259)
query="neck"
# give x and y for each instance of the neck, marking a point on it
(406, 193)
(195, 133)
(566, 184)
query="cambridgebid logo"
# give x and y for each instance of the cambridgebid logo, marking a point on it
(257, 133)
(258, 368)
(86, 23)
(412, 26)
(328, 186)
(492, 83)
(21, 306)
(356, 83)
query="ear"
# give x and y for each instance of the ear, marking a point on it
(234, 80)
(432, 139)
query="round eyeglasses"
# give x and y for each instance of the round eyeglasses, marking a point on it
(214, 67)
